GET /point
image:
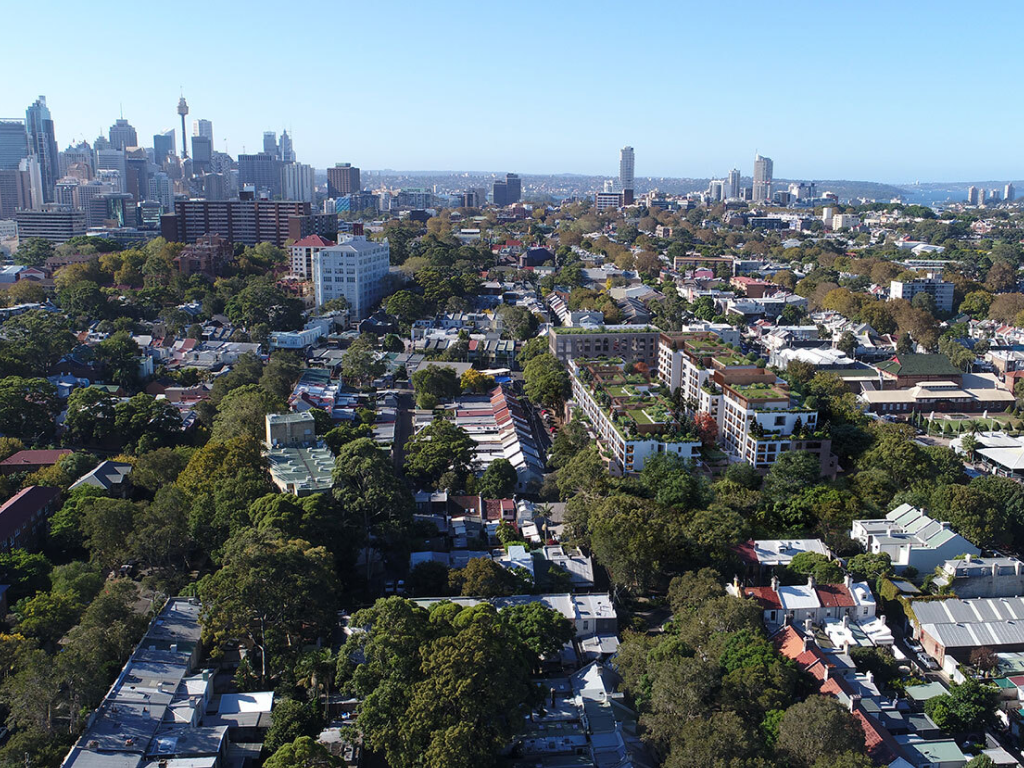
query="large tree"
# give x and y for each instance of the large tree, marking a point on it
(272, 593)
(28, 408)
(817, 729)
(546, 381)
(441, 454)
(243, 411)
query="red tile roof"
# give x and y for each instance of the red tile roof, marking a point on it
(313, 241)
(34, 458)
(19, 509)
(835, 596)
(746, 551)
(766, 597)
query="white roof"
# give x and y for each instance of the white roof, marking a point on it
(233, 703)
(800, 596)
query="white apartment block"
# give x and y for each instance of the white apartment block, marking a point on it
(939, 290)
(356, 270)
(845, 221)
(301, 252)
(630, 421)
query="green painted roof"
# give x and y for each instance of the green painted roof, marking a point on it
(920, 365)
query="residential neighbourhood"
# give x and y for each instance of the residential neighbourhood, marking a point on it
(309, 462)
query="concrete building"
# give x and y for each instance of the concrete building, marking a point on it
(298, 463)
(42, 144)
(939, 290)
(13, 143)
(971, 577)
(262, 171)
(298, 181)
(845, 221)
(290, 430)
(912, 539)
(763, 171)
(732, 185)
(626, 167)
(355, 269)
(631, 343)
(302, 252)
(508, 191)
(342, 179)
(238, 221)
(57, 225)
(630, 421)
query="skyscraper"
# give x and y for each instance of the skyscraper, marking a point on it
(342, 179)
(122, 135)
(42, 142)
(183, 110)
(626, 174)
(733, 185)
(763, 168)
(203, 128)
(287, 152)
(262, 171)
(972, 195)
(13, 143)
(270, 144)
(163, 146)
(202, 153)
(1009, 193)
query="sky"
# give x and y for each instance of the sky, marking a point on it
(880, 91)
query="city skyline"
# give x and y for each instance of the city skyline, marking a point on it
(818, 112)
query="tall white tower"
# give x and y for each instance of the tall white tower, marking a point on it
(626, 174)
(763, 168)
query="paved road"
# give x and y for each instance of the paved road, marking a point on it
(403, 426)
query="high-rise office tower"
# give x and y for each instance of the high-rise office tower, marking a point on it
(136, 163)
(981, 196)
(183, 110)
(13, 143)
(202, 154)
(203, 128)
(42, 142)
(286, 150)
(342, 179)
(626, 174)
(763, 168)
(163, 146)
(733, 184)
(514, 188)
(270, 144)
(30, 178)
(122, 135)
(262, 171)
(972, 195)
(1009, 193)
(298, 181)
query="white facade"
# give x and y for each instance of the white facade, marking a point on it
(298, 182)
(845, 221)
(626, 168)
(912, 539)
(356, 270)
(939, 290)
(763, 170)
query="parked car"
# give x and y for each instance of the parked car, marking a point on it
(928, 662)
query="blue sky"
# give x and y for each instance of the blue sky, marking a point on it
(871, 90)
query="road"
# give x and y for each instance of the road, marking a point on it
(403, 426)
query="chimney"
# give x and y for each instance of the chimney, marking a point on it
(775, 583)
(848, 581)
(846, 647)
(967, 558)
(870, 676)
(882, 619)
(1016, 567)
(854, 701)
(846, 621)
(827, 671)
(736, 583)
(810, 581)
(807, 643)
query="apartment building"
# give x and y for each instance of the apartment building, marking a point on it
(632, 422)
(939, 290)
(631, 343)
(355, 269)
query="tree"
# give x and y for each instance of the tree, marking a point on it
(790, 474)
(106, 525)
(672, 481)
(25, 572)
(243, 411)
(345, 433)
(868, 567)
(499, 480)
(969, 707)
(360, 363)
(476, 382)
(90, 418)
(976, 304)
(263, 301)
(374, 501)
(33, 252)
(407, 306)
(303, 752)
(814, 564)
(973, 514)
(441, 451)
(483, 577)
(281, 373)
(848, 343)
(636, 539)
(586, 473)
(291, 720)
(436, 381)
(546, 381)
(157, 468)
(119, 356)
(519, 322)
(981, 761)
(272, 593)
(160, 536)
(817, 729)
(569, 440)
(28, 408)
(446, 688)
(531, 349)
(143, 423)
(1005, 307)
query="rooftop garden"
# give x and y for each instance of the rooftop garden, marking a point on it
(564, 330)
(760, 391)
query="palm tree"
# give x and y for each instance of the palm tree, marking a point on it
(314, 671)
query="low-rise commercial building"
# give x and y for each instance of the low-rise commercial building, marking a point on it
(939, 397)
